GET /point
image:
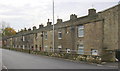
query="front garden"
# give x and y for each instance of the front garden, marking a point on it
(74, 57)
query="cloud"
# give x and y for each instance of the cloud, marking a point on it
(19, 3)
(26, 13)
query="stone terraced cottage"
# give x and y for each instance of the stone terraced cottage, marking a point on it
(94, 34)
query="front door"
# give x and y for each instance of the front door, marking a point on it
(118, 54)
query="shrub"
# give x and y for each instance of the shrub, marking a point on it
(90, 59)
(112, 60)
(98, 60)
(81, 58)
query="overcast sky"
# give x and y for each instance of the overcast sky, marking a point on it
(28, 13)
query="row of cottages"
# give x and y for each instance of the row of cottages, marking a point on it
(93, 34)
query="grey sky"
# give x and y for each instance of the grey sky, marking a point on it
(28, 13)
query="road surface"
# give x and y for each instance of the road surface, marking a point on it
(0, 59)
(19, 60)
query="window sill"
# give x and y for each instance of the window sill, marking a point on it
(80, 36)
(59, 38)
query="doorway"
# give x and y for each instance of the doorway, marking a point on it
(118, 54)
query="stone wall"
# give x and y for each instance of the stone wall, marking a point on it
(93, 38)
(119, 27)
(101, 32)
(111, 33)
(48, 41)
(110, 17)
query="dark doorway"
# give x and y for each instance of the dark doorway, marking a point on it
(32, 48)
(118, 54)
(36, 47)
(40, 48)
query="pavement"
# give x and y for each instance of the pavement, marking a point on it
(111, 64)
(105, 64)
(0, 59)
(19, 60)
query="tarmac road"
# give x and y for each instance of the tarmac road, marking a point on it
(19, 60)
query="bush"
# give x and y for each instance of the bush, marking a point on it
(91, 59)
(98, 60)
(81, 58)
(112, 60)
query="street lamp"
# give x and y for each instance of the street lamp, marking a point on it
(53, 28)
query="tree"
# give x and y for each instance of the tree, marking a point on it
(8, 31)
(3, 25)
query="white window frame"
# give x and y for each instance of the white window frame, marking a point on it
(45, 48)
(36, 36)
(81, 29)
(23, 38)
(94, 52)
(80, 48)
(46, 35)
(60, 47)
(59, 35)
(23, 46)
(68, 50)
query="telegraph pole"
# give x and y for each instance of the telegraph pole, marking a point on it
(53, 28)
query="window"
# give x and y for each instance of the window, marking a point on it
(59, 35)
(81, 31)
(46, 47)
(94, 52)
(45, 35)
(23, 38)
(68, 50)
(41, 34)
(23, 46)
(36, 36)
(80, 49)
(59, 48)
(36, 47)
(19, 46)
(15, 39)
(66, 30)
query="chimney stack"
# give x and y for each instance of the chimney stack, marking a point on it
(59, 21)
(91, 11)
(41, 26)
(73, 17)
(29, 29)
(25, 29)
(34, 27)
(49, 23)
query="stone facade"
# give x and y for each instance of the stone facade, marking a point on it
(111, 31)
(94, 34)
(93, 37)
